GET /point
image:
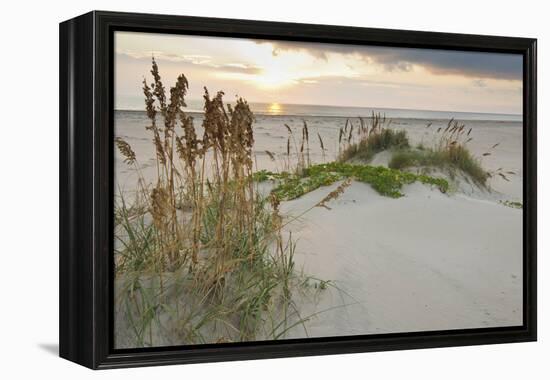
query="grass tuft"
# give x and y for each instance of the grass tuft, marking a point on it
(450, 152)
(368, 140)
(456, 158)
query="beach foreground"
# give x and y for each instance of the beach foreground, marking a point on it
(429, 259)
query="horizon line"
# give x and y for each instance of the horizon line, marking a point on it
(338, 106)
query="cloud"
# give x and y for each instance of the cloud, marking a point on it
(160, 55)
(192, 59)
(439, 62)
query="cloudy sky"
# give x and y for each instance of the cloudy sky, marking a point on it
(324, 74)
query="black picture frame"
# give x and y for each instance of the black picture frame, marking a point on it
(86, 201)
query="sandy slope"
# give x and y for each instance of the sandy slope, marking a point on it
(426, 261)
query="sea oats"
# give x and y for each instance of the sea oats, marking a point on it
(126, 150)
(321, 142)
(334, 194)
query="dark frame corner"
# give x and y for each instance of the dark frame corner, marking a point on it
(85, 109)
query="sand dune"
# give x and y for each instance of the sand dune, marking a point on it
(426, 261)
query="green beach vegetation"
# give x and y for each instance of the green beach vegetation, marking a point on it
(450, 153)
(512, 204)
(387, 182)
(363, 141)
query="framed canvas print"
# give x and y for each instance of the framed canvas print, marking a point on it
(237, 189)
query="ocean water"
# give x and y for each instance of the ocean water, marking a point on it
(303, 110)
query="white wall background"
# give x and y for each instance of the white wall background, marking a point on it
(29, 187)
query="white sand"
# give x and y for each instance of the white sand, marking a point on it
(426, 261)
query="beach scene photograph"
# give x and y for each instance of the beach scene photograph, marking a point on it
(272, 190)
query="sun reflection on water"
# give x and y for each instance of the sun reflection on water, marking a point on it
(275, 109)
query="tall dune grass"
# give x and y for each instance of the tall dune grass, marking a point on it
(363, 141)
(449, 151)
(200, 254)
